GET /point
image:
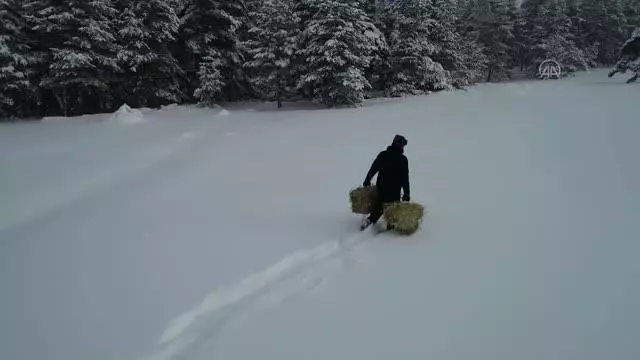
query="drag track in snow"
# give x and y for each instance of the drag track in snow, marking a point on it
(297, 273)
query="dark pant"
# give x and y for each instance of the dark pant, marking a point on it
(384, 197)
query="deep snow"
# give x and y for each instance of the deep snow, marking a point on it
(196, 234)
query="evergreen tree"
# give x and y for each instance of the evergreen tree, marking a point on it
(337, 45)
(79, 38)
(526, 30)
(474, 53)
(210, 78)
(605, 28)
(15, 88)
(411, 48)
(151, 74)
(271, 47)
(618, 32)
(380, 66)
(303, 10)
(457, 54)
(495, 20)
(521, 49)
(252, 6)
(555, 39)
(214, 25)
(631, 13)
(578, 31)
(473, 62)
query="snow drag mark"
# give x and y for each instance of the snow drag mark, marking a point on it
(304, 269)
(249, 286)
(301, 283)
(173, 350)
(309, 278)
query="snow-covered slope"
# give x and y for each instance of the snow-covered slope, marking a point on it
(193, 235)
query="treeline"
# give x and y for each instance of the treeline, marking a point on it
(78, 56)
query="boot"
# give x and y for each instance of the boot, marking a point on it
(365, 224)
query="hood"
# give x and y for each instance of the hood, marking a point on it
(395, 149)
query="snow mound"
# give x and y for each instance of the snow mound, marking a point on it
(169, 106)
(224, 112)
(127, 115)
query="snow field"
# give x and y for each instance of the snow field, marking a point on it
(194, 235)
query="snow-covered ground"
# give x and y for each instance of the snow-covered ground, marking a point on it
(197, 234)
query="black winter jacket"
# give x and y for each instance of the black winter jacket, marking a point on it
(392, 168)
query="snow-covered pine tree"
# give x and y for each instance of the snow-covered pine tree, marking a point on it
(495, 21)
(373, 8)
(147, 31)
(554, 42)
(466, 16)
(578, 31)
(529, 30)
(15, 88)
(337, 45)
(303, 10)
(214, 25)
(458, 55)
(253, 5)
(605, 28)
(619, 32)
(520, 49)
(572, 58)
(473, 51)
(411, 48)
(79, 36)
(379, 67)
(631, 12)
(271, 45)
(210, 78)
(472, 64)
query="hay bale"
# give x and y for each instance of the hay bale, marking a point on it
(363, 199)
(405, 217)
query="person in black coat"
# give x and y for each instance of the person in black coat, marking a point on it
(392, 168)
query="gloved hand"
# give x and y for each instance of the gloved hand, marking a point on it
(366, 183)
(406, 197)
